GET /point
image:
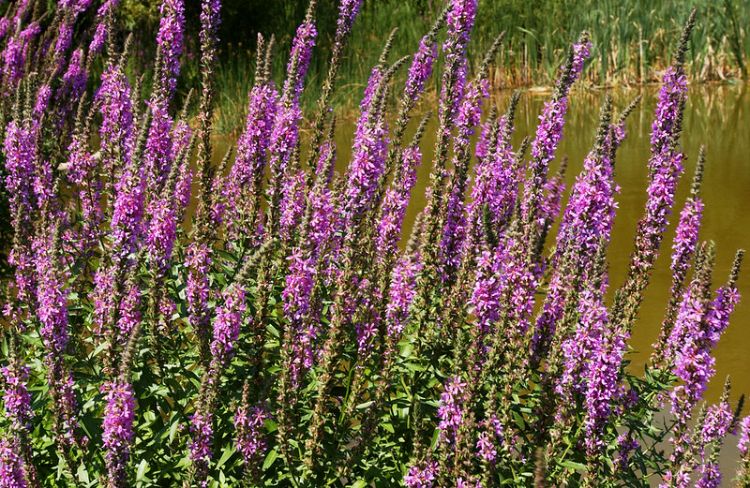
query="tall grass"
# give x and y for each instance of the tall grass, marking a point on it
(630, 42)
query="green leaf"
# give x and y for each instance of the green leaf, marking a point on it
(83, 475)
(140, 475)
(225, 455)
(270, 458)
(581, 468)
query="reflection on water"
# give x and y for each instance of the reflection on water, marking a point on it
(717, 116)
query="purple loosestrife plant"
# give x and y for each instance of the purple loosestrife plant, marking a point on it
(467, 118)
(118, 431)
(683, 250)
(12, 469)
(248, 422)
(550, 129)
(586, 222)
(743, 445)
(665, 168)
(285, 131)
(395, 203)
(242, 190)
(16, 398)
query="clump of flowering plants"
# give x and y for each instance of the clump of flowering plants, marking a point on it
(275, 333)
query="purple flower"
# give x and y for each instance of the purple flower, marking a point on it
(348, 11)
(75, 77)
(485, 447)
(130, 313)
(710, 475)
(118, 433)
(202, 430)
(421, 476)
(246, 173)
(692, 362)
(367, 327)
(497, 180)
(693, 338)
(43, 97)
(299, 61)
(627, 445)
(581, 348)
(686, 237)
(51, 293)
(454, 228)
(248, 423)
(162, 229)
(323, 221)
(285, 132)
(420, 69)
(299, 284)
(158, 154)
(665, 167)
(744, 441)
(550, 129)
(116, 130)
(198, 262)
(16, 396)
(460, 22)
(492, 431)
(98, 39)
(127, 214)
(602, 384)
(401, 294)
(368, 154)
(12, 468)
(395, 203)
(101, 33)
(717, 423)
(451, 409)
(64, 37)
(586, 222)
(227, 323)
(489, 285)
(20, 151)
(292, 204)
(169, 40)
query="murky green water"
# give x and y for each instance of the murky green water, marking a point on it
(717, 116)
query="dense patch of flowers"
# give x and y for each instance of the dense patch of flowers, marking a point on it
(269, 321)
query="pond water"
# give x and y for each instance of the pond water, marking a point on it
(717, 116)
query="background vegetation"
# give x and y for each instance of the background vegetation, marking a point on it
(630, 40)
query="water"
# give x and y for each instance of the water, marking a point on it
(717, 117)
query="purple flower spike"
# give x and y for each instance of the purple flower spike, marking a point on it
(118, 434)
(12, 468)
(16, 398)
(422, 476)
(169, 40)
(227, 323)
(420, 69)
(743, 444)
(249, 423)
(395, 204)
(401, 294)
